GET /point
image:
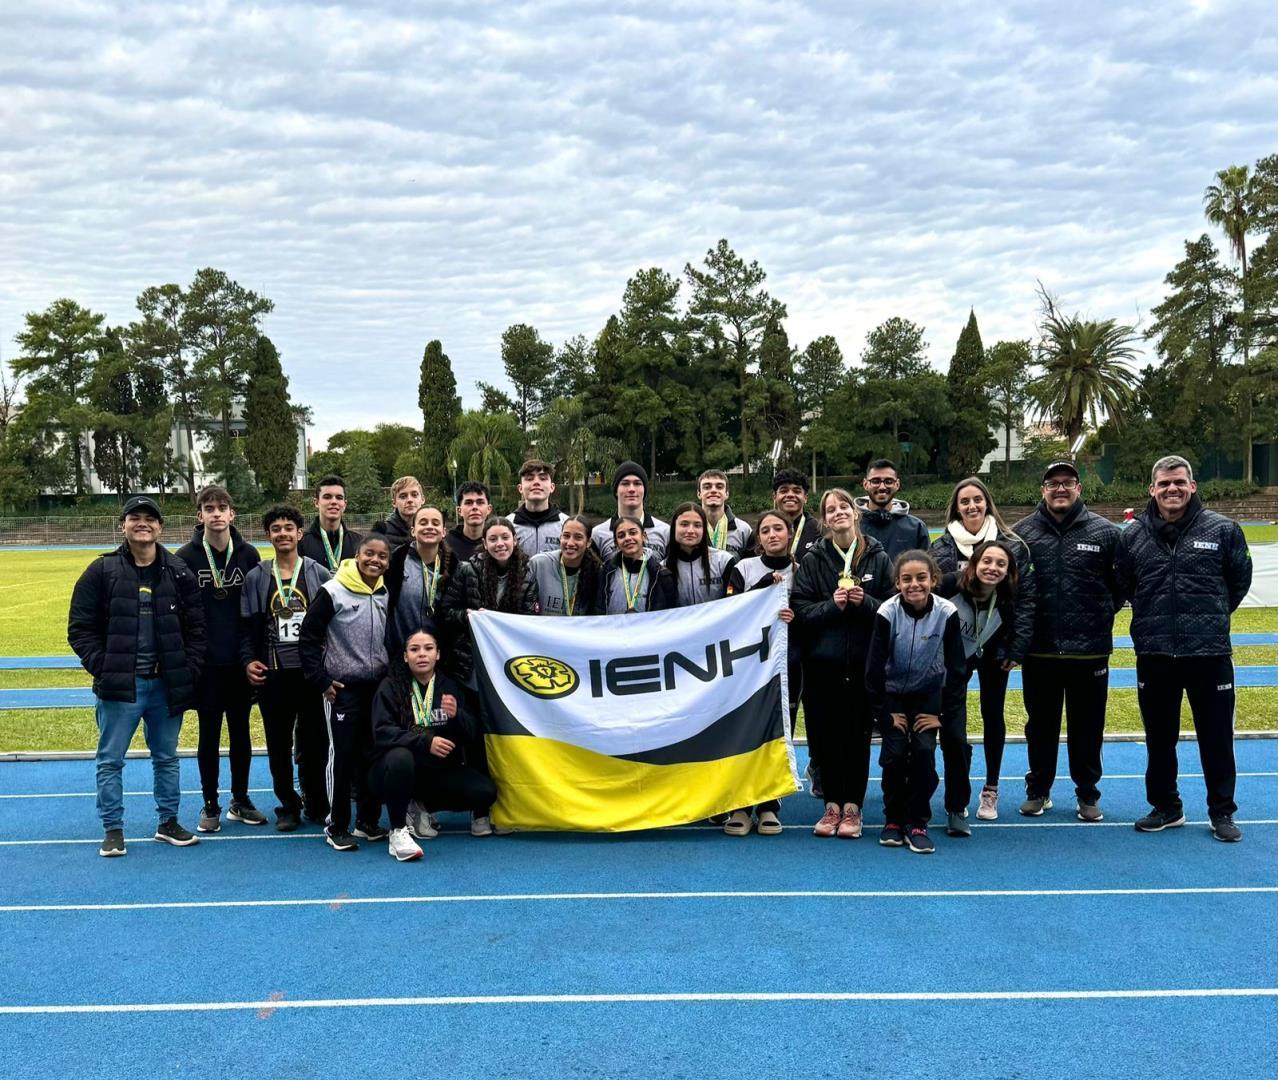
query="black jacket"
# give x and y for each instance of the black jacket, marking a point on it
(393, 723)
(895, 528)
(312, 545)
(462, 545)
(221, 617)
(1076, 584)
(446, 637)
(395, 529)
(826, 634)
(463, 596)
(102, 626)
(809, 534)
(1184, 580)
(951, 561)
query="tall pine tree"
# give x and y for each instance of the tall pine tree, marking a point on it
(968, 435)
(270, 446)
(441, 407)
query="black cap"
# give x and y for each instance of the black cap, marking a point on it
(629, 468)
(1060, 466)
(141, 502)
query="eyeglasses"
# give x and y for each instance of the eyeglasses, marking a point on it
(1060, 485)
(882, 481)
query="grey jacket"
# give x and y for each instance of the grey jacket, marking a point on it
(691, 584)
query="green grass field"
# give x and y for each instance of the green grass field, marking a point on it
(35, 591)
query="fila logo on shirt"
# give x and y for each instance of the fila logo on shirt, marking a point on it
(235, 577)
(1206, 545)
(1089, 547)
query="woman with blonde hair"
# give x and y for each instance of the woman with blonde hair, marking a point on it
(837, 589)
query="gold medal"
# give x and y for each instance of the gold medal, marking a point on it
(849, 581)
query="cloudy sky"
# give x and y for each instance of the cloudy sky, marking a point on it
(392, 173)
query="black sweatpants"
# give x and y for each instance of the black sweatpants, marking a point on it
(1080, 687)
(956, 754)
(1208, 682)
(224, 691)
(350, 739)
(993, 701)
(397, 779)
(289, 704)
(836, 712)
(908, 761)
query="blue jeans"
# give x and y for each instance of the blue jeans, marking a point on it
(117, 721)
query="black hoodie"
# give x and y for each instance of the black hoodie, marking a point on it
(395, 529)
(221, 614)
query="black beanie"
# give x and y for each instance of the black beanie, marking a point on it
(629, 468)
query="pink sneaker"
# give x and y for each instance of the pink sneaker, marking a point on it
(829, 822)
(850, 824)
(988, 810)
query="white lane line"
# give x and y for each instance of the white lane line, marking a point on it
(630, 999)
(715, 894)
(268, 791)
(196, 791)
(976, 827)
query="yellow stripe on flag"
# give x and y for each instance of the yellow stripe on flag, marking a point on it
(546, 784)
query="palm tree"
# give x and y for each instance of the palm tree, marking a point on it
(486, 444)
(1085, 370)
(1227, 203)
(569, 439)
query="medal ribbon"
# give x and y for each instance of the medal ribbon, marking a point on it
(333, 557)
(719, 534)
(286, 591)
(632, 595)
(570, 594)
(218, 580)
(430, 582)
(422, 701)
(847, 557)
(798, 533)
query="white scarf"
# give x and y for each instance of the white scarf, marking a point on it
(967, 541)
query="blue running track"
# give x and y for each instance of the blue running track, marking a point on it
(1039, 947)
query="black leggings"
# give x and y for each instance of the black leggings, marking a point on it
(224, 690)
(836, 711)
(288, 703)
(396, 778)
(993, 701)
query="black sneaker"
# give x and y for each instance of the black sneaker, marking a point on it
(919, 841)
(956, 824)
(112, 844)
(1222, 828)
(315, 816)
(366, 831)
(244, 811)
(340, 840)
(287, 820)
(210, 818)
(170, 832)
(1158, 820)
(892, 836)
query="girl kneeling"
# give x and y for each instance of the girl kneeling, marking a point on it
(916, 674)
(418, 757)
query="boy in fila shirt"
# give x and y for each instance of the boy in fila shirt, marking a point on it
(220, 558)
(726, 532)
(273, 602)
(630, 486)
(537, 520)
(328, 541)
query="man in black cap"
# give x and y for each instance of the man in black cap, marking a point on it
(630, 486)
(137, 624)
(790, 497)
(1067, 665)
(1185, 569)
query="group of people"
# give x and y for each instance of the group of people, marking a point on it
(357, 648)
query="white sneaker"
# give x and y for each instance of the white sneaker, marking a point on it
(988, 810)
(481, 826)
(403, 847)
(420, 822)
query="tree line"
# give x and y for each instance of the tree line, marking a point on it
(694, 370)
